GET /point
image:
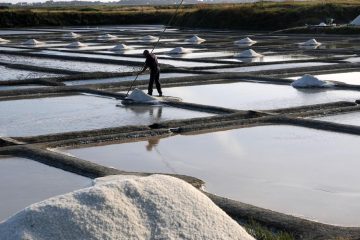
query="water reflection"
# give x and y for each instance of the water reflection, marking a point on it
(155, 112)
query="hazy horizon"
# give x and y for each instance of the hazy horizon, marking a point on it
(31, 1)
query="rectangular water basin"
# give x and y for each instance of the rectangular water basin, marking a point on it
(347, 118)
(24, 182)
(66, 64)
(77, 113)
(17, 74)
(258, 96)
(288, 169)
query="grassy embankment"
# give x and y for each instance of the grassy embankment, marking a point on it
(250, 16)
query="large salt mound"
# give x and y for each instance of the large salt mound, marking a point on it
(154, 207)
(245, 41)
(248, 54)
(32, 42)
(311, 42)
(140, 97)
(179, 50)
(195, 39)
(309, 81)
(76, 45)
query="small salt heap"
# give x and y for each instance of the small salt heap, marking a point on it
(139, 96)
(248, 54)
(121, 47)
(154, 207)
(32, 42)
(309, 81)
(149, 38)
(179, 50)
(107, 37)
(356, 21)
(2, 40)
(322, 24)
(311, 42)
(245, 41)
(195, 39)
(71, 35)
(76, 45)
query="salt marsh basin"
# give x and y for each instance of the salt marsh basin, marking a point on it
(277, 167)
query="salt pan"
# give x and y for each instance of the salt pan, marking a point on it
(154, 207)
(248, 54)
(309, 81)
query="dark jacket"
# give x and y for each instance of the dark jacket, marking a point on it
(152, 62)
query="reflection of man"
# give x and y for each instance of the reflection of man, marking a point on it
(152, 142)
(159, 113)
(152, 63)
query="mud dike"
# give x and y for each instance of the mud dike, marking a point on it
(220, 94)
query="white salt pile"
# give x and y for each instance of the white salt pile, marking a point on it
(309, 81)
(71, 35)
(76, 45)
(140, 97)
(154, 207)
(245, 41)
(311, 42)
(107, 37)
(180, 50)
(248, 54)
(356, 21)
(2, 40)
(121, 47)
(149, 38)
(195, 39)
(322, 24)
(32, 42)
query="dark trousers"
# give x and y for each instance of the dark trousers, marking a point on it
(154, 77)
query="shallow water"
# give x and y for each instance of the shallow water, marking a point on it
(127, 78)
(76, 113)
(288, 169)
(176, 63)
(24, 182)
(66, 64)
(245, 95)
(6, 88)
(271, 67)
(17, 74)
(274, 58)
(348, 118)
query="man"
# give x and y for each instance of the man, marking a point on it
(152, 63)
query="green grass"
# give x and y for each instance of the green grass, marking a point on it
(250, 16)
(263, 233)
